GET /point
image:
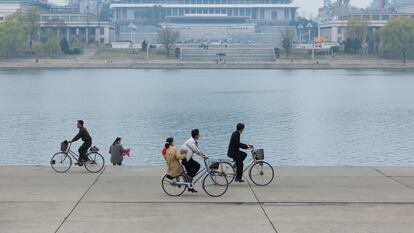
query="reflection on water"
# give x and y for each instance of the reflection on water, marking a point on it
(303, 117)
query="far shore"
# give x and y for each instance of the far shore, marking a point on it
(176, 64)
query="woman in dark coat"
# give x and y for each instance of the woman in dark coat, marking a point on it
(116, 151)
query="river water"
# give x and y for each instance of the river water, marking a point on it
(299, 117)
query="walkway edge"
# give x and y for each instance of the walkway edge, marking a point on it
(77, 203)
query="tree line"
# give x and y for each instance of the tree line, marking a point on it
(20, 36)
(395, 39)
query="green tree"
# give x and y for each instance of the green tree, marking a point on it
(356, 34)
(64, 45)
(287, 37)
(38, 48)
(168, 37)
(12, 36)
(52, 46)
(398, 36)
(31, 24)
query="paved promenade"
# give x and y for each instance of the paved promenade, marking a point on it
(129, 199)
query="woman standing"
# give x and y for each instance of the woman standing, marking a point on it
(116, 151)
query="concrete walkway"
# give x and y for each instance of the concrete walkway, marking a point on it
(130, 199)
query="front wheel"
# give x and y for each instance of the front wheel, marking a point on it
(61, 162)
(261, 173)
(215, 184)
(95, 163)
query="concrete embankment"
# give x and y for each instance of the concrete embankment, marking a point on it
(130, 199)
(174, 64)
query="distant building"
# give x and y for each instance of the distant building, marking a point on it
(77, 28)
(8, 7)
(333, 20)
(405, 6)
(255, 21)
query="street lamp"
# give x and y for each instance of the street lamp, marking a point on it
(300, 29)
(132, 27)
(309, 26)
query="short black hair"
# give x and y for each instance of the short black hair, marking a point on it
(240, 126)
(195, 133)
(80, 122)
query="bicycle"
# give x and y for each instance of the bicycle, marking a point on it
(261, 173)
(215, 184)
(62, 161)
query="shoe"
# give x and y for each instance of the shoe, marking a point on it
(239, 180)
(192, 190)
(80, 164)
(114, 164)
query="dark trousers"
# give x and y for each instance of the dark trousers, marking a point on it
(191, 166)
(239, 164)
(83, 149)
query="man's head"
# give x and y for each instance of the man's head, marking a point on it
(195, 133)
(240, 127)
(79, 124)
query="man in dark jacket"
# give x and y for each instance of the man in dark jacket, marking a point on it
(87, 142)
(235, 153)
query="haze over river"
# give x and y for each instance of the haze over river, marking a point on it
(299, 117)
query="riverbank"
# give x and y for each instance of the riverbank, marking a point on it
(130, 199)
(176, 64)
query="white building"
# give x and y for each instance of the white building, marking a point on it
(204, 19)
(8, 7)
(333, 20)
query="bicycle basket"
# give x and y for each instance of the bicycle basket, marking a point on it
(258, 154)
(213, 165)
(94, 149)
(64, 146)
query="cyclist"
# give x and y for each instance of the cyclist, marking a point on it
(235, 153)
(87, 142)
(172, 157)
(190, 147)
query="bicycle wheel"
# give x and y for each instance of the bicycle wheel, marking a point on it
(61, 162)
(215, 184)
(261, 173)
(228, 169)
(95, 163)
(171, 187)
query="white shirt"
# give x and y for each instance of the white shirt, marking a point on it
(191, 148)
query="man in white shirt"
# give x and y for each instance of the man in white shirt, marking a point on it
(191, 147)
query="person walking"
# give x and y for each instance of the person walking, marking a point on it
(235, 153)
(87, 142)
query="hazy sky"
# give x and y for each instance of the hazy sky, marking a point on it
(307, 6)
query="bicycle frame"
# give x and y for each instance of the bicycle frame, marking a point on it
(72, 154)
(252, 161)
(200, 174)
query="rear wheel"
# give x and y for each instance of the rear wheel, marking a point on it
(228, 169)
(61, 162)
(215, 184)
(95, 163)
(174, 186)
(261, 173)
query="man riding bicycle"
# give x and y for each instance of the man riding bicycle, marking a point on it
(190, 147)
(235, 153)
(87, 142)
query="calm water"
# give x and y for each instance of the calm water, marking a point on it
(304, 117)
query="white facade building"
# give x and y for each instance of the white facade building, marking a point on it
(204, 19)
